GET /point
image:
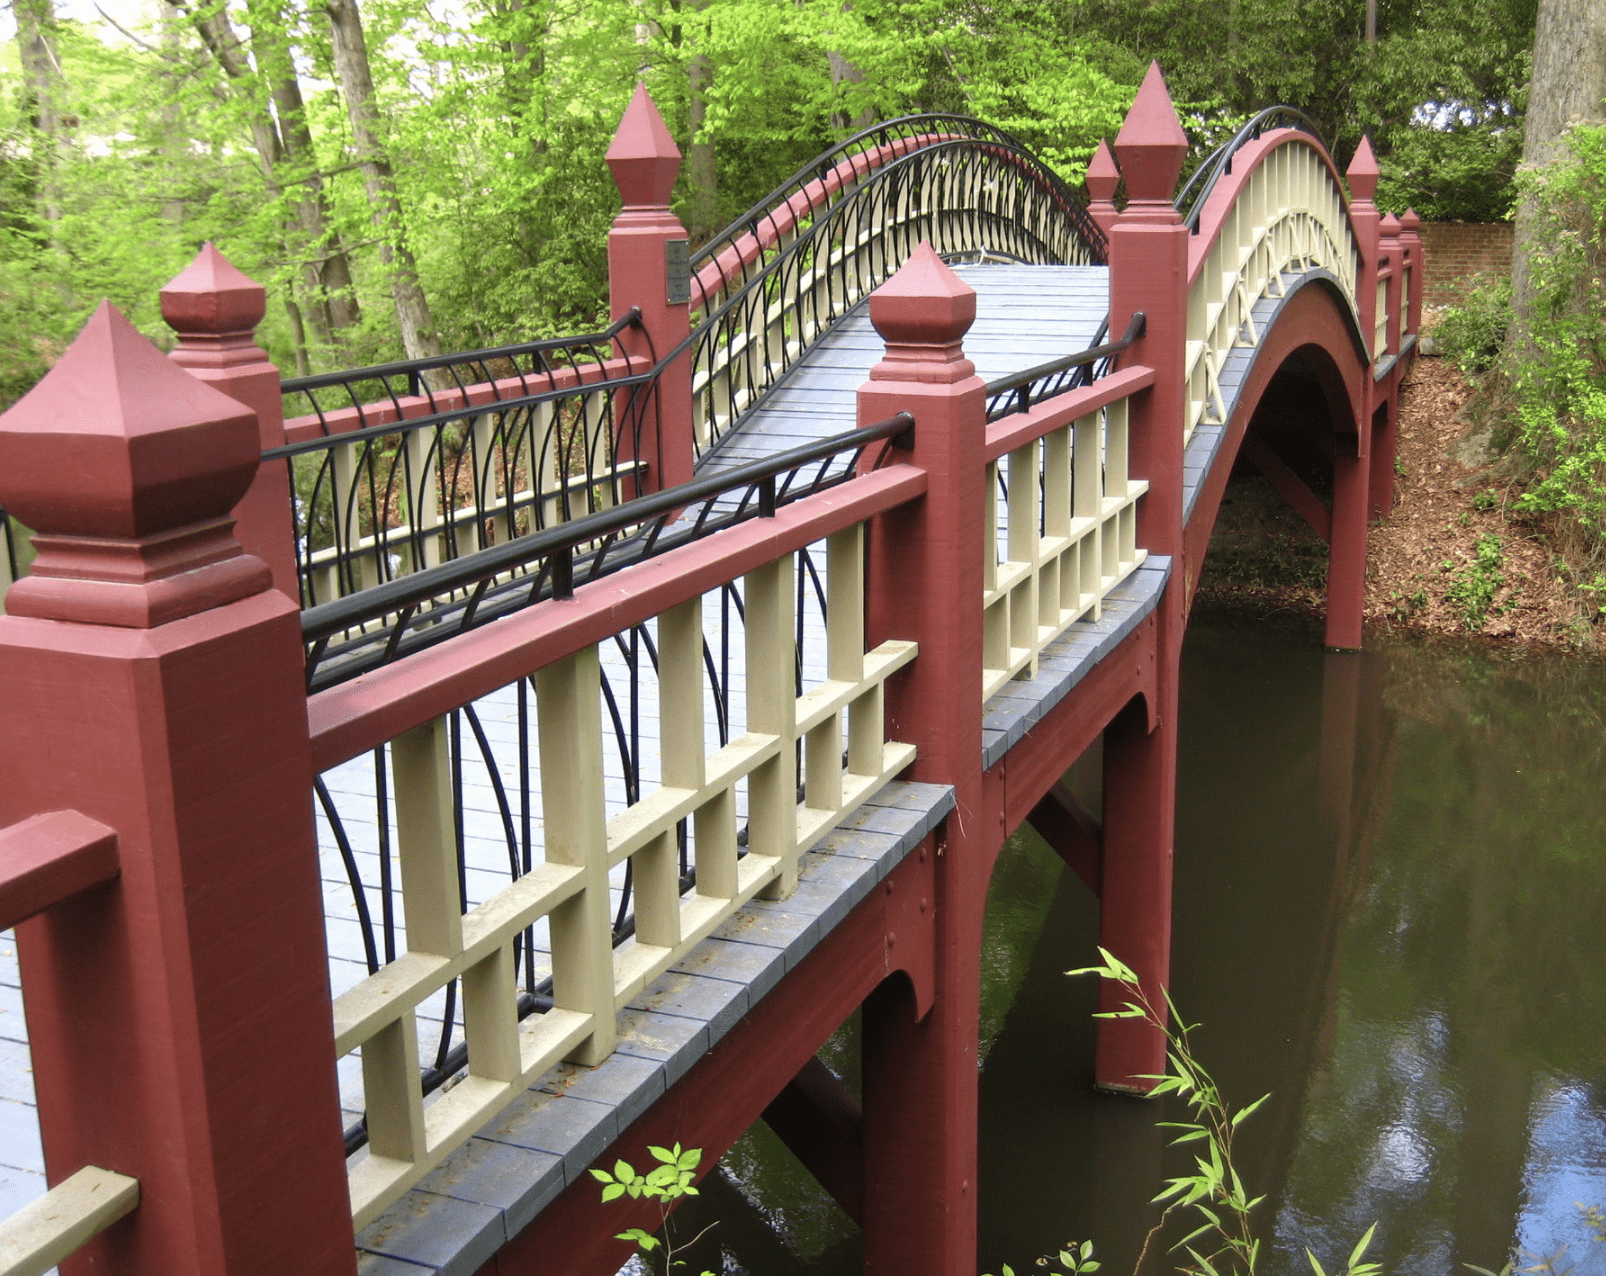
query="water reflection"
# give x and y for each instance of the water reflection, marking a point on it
(1390, 897)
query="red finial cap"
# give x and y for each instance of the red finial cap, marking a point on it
(1410, 222)
(1363, 171)
(923, 313)
(1102, 175)
(209, 297)
(1389, 226)
(118, 441)
(643, 157)
(1151, 144)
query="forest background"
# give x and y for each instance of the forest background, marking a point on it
(420, 175)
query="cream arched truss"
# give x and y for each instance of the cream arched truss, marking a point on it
(1283, 210)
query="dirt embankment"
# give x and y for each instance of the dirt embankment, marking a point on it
(1452, 557)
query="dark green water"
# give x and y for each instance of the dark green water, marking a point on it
(1391, 914)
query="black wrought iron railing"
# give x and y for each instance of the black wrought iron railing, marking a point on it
(1190, 200)
(1019, 391)
(396, 481)
(352, 635)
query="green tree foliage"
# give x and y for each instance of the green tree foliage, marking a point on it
(1441, 92)
(228, 122)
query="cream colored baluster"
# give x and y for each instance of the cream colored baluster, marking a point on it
(1024, 548)
(491, 1017)
(491, 521)
(995, 619)
(391, 1091)
(1058, 598)
(845, 584)
(546, 506)
(1116, 454)
(568, 698)
(423, 462)
(599, 452)
(1089, 502)
(684, 764)
(771, 656)
(421, 768)
(345, 470)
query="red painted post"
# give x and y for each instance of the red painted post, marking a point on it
(1386, 394)
(1411, 241)
(179, 1015)
(1388, 245)
(1352, 452)
(1102, 179)
(645, 160)
(215, 309)
(926, 584)
(1148, 272)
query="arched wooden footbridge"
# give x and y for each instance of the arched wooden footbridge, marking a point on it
(590, 727)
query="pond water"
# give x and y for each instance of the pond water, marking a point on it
(1390, 914)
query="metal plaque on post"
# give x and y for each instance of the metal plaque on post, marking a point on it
(677, 271)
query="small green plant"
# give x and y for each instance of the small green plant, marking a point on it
(1077, 1260)
(1473, 588)
(1485, 502)
(667, 1182)
(1214, 1192)
(1403, 606)
(1474, 332)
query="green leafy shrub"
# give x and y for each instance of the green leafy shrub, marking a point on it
(1474, 333)
(1559, 373)
(1474, 587)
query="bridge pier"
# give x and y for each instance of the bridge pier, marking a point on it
(1149, 273)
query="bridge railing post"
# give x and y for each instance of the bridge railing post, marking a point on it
(179, 1014)
(926, 584)
(1149, 247)
(1389, 246)
(1361, 484)
(215, 309)
(1411, 243)
(647, 256)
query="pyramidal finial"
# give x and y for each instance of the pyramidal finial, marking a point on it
(210, 297)
(118, 441)
(1363, 171)
(1102, 174)
(1151, 144)
(643, 156)
(1409, 221)
(923, 313)
(1389, 226)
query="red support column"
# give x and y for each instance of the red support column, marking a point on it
(1352, 452)
(645, 160)
(926, 584)
(215, 309)
(179, 1015)
(1148, 272)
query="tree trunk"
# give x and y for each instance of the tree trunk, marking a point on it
(326, 272)
(41, 73)
(1567, 86)
(702, 171)
(418, 334)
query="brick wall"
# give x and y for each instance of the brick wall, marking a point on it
(1458, 250)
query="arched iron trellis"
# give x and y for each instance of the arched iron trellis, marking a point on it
(1191, 199)
(778, 280)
